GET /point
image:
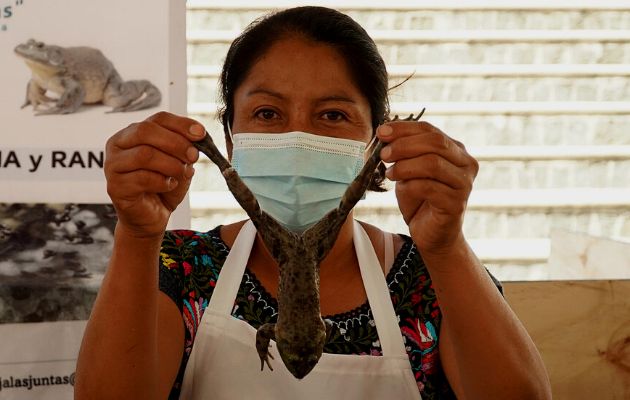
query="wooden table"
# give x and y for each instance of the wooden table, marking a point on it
(582, 329)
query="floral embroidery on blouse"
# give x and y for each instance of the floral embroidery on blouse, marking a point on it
(190, 263)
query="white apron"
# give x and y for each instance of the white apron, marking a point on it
(224, 363)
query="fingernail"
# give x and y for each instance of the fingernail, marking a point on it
(388, 172)
(197, 130)
(192, 154)
(385, 130)
(171, 182)
(189, 171)
(385, 153)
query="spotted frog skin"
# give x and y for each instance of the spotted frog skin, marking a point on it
(79, 75)
(300, 332)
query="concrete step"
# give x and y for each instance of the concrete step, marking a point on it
(586, 128)
(417, 36)
(453, 53)
(212, 72)
(421, 14)
(456, 46)
(556, 174)
(419, 89)
(405, 5)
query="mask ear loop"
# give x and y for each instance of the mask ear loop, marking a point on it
(229, 129)
(371, 143)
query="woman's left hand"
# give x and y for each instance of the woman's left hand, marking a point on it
(434, 176)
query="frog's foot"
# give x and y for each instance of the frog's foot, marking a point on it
(132, 96)
(54, 110)
(329, 326)
(37, 102)
(264, 334)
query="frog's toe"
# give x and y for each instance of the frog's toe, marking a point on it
(264, 360)
(49, 111)
(263, 336)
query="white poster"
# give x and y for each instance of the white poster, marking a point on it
(72, 73)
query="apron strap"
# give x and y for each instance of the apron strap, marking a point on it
(388, 244)
(231, 274)
(378, 295)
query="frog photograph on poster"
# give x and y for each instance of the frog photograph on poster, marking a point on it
(77, 76)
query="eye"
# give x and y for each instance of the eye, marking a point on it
(334, 116)
(266, 114)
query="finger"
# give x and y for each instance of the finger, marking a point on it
(146, 157)
(422, 142)
(173, 197)
(152, 134)
(188, 127)
(397, 129)
(431, 166)
(134, 184)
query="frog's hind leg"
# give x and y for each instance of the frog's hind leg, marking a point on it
(36, 95)
(131, 95)
(264, 334)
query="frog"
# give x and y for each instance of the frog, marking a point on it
(300, 332)
(79, 75)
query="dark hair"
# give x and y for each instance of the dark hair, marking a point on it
(319, 24)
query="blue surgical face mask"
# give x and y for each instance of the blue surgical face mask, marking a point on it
(297, 177)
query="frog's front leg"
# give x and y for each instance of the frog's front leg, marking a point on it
(35, 95)
(71, 98)
(264, 334)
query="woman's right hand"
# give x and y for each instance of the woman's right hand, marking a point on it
(148, 167)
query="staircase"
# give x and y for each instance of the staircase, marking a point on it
(539, 92)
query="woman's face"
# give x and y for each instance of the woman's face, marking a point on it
(301, 85)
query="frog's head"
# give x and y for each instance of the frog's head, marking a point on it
(300, 359)
(39, 53)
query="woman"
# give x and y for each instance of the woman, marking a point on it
(314, 71)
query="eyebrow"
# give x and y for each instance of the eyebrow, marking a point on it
(341, 98)
(265, 91)
(335, 97)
